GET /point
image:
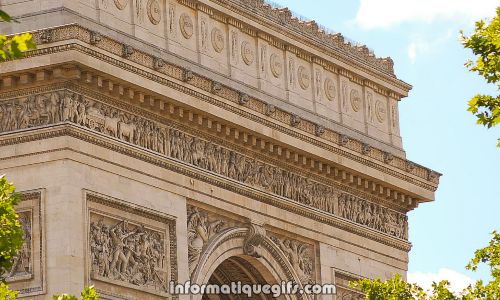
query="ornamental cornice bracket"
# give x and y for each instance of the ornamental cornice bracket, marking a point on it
(253, 240)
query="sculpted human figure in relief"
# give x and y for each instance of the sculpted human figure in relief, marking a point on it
(133, 254)
(298, 256)
(53, 107)
(200, 230)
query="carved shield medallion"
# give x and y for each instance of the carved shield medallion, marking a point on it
(330, 89)
(186, 25)
(247, 53)
(380, 111)
(217, 40)
(355, 100)
(154, 11)
(276, 65)
(304, 78)
(121, 4)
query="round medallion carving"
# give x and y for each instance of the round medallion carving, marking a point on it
(186, 25)
(121, 4)
(380, 111)
(304, 78)
(276, 65)
(217, 40)
(247, 53)
(154, 11)
(355, 100)
(330, 89)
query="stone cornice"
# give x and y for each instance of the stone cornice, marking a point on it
(210, 129)
(278, 20)
(308, 128)
(113, 144)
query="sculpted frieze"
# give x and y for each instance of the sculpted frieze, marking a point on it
(201, 228)
(22, 266)
(300, 255)
(127, 252)
(66, 106)
(27, 272)
(372, 215)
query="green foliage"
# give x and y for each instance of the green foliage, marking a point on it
(11, 234)
(89, 293)
(12, 47)
(490, 256)
(485, 44)
(392, 289)
(11, 240)
(396, 288)
(7, 294)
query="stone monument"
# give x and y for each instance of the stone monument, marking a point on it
(210, 141)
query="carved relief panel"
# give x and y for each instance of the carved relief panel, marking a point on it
(376, 111)
(181, 31)
(27, 274)
(301, 81)
(327, 93)
(115, 12)
(214, 42)
(353, 104)
(130, 247)
(202, 152)
(148, 20)
(372, 215)
(301, 256)
(204, 226)
(271, 68)
(344, 292)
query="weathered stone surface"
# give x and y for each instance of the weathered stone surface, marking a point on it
(159, 141)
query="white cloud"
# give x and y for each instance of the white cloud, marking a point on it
(422, 45)
(458, 281)
(386, 13)
(416, 48)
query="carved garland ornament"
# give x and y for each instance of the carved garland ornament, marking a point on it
(247, 53)
(217, 40)
(154, 11)
(186, 25)
(276, 65)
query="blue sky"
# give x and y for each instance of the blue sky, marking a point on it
(422, 36)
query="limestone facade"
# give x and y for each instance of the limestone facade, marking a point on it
(174, 140)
